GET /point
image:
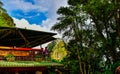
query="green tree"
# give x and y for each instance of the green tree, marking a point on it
(94, 26)
(69, 24)
(5, 19)
(103, 16)
(102, 21)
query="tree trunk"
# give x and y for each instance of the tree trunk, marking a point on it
(84, 68)
(88, 69)
(112, 52)
(79, 60)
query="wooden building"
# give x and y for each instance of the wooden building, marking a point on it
(20, 43)
(21, 54)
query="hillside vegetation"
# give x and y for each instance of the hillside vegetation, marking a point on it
(5, 19)
(58, 50)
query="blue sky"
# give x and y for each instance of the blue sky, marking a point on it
(30, 13)
(34, 14)
(31, 10)
(33, 17)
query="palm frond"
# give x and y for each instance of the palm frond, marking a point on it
(65, 11)
(59, 27)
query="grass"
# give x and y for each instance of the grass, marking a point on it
(28, 64)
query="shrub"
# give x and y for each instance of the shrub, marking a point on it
(38, 58)
(10, 57)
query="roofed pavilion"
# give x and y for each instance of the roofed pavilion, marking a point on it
(12, 36)
(17, 40)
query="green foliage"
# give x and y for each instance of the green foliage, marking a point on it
(10, 57)
(58, 51)
(38, 58)
(65, 11)
(5, 19)
(70, 61)
(27, 64)
(94, 28)
(51, 45)
(110, 68)
(100, 9)
(71, 66)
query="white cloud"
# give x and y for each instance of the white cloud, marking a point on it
(54, 5)
(22, 23)
(52, 16)
(38, 5)
(49, 6)
(24, 6)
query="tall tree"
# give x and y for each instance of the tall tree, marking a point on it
(103, 14)
(93, 24)
(104, 24)
(71, 24)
